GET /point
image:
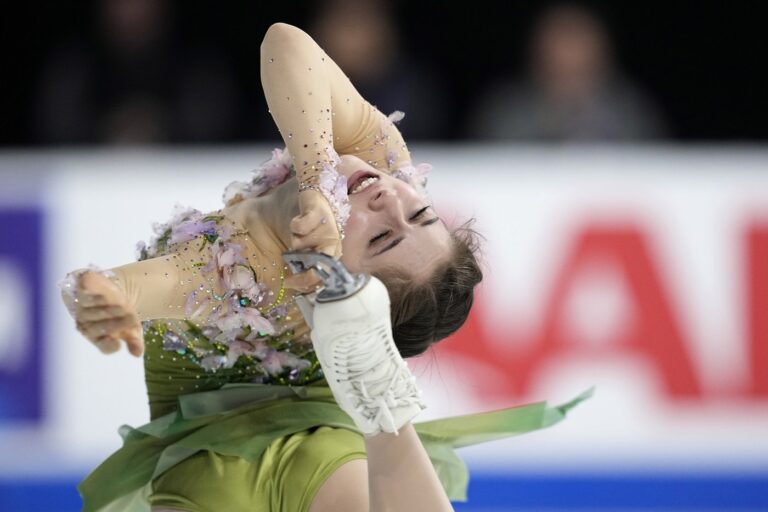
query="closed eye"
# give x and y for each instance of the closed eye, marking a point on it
(378, 237)
(415, 216)
(419, 213)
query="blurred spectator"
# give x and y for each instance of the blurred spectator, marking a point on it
(573, 91)
(133, 86)
(362, 37)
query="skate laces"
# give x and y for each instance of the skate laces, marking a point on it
(378, 377)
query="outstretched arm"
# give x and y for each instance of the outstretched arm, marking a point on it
(316, 107)
(108, 306)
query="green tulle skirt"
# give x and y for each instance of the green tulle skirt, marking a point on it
(245, 421)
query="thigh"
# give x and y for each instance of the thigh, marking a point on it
(285, 479)
(208, 481)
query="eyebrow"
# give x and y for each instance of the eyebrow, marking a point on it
(397, 241)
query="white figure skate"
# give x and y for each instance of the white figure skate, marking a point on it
(352, 337)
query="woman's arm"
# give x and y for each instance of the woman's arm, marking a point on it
(160, 287)
(109, 305)
(398, 475)
(316, 107)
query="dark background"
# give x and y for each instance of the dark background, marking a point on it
(702, 62)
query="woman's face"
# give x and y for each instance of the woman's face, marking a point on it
(390, 224)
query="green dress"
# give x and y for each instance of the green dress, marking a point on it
(267, 447)
(249, 423)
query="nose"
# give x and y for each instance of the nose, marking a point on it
(387, 202)
(381, 200)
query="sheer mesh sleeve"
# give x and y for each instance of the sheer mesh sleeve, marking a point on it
(208, 293)
(318, 111)
(185, 281)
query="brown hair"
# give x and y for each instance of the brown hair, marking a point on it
(424, 313)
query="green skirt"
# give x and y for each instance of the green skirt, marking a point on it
(251, 442)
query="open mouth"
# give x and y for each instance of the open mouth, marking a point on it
(360, 180)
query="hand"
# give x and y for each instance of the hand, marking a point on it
(104, 316)
(315, 229)
(306, 282)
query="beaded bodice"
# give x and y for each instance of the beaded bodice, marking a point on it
(238, 324)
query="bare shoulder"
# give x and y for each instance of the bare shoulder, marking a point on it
(346, 490)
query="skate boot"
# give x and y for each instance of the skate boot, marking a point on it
(352, 337)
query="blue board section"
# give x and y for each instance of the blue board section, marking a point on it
(649, 491)
(494, 493)
(21, 250)
(55, 495)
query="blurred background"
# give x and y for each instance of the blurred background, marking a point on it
(159, 71)
(613, 153)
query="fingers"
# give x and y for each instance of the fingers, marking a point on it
(306, 282)
(97, 313)
(110, 343)
(134, 340)
(331, 247)
(88, 300)
(107, 345)
(316, 239)
(95, 330)
(104, 318)
(321, 238)
(303, 225)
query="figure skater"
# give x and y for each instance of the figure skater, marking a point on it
(250, 410)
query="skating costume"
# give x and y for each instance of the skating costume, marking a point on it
(242, 418)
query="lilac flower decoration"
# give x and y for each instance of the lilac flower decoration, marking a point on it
(275, 361)
(230, 255)
(179, 214)
(279, 311)
(234, 322)
(238, 277)
(272, 362)
(270, 174)
(213, 362)
(239, 348)
(396, 116)
(172, 341)
(334, 187)
(415, 175)
(227, 337)
(253, 318)
(260, 349)
(228, 320)
(292, 360)
(190, 229)
(391, 157)
(278, 168)
(141, 248)
(195, 307)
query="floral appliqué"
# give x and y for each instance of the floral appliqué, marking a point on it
(242, 322)
(333, 185)
(272, 173)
